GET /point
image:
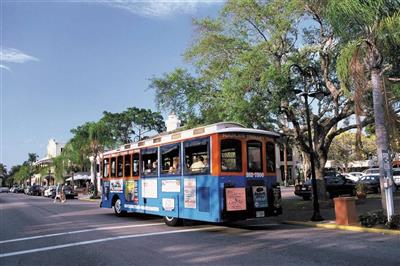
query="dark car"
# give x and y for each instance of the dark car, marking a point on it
(68, 190)
(35, 190)
(335, 186)
(371, 183)
(18, 189)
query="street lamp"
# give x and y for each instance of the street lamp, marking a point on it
(309, 74)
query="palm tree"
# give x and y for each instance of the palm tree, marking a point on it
(32, 158)
(91, 139)
(367, 29)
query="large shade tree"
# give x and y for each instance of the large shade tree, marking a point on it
(133, 124)
(243, 59)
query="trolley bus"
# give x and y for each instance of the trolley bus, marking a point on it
(214, 173)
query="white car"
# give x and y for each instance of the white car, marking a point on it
(4, 190)
(371, 171)
(396, 177)
(49, 191)
(353, 176)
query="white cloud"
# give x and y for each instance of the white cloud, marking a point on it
(160, 8)
(11, 55)
(5, 67)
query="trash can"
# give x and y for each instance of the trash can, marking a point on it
(345, 211)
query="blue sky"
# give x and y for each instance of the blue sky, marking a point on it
(63, 63)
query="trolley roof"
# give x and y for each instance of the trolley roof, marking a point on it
(168, 137)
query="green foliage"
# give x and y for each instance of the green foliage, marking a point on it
(238, 59)
(22, 174)
(343, 63)
(394, 222)
(343, 148)
(371, 219)
(130, 125)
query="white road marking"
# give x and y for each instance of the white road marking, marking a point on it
(79, 231)
(104, 240)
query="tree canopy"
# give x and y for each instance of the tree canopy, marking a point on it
(244, 72)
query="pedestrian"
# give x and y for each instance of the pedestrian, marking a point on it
(63, 198)
(58, 193)
(87, 187)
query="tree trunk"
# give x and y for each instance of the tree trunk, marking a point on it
(320, 161)
(285, 163)
(382, 141)
(94, 176)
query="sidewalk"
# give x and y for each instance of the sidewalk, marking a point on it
(298, 212)
(86, 197)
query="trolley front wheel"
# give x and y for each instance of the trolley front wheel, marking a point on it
(118, 208)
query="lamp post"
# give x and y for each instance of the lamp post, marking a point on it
(48, 180)
(308, 74)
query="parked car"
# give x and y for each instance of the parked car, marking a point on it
(49, 191)
(371, 171)
(4, 190)
(35, 190)
(371, 182)
(353, 176)
(335, 186)
(19, 189)
(70, 192)
(396, 177)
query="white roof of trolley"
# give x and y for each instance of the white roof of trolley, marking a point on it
(165, 138)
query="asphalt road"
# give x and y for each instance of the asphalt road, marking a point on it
(35, 231)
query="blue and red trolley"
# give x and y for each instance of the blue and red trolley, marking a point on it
(214, 173)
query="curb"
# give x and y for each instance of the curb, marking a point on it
(87, 199)
(345, 227)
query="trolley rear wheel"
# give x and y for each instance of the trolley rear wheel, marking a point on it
(172, 221)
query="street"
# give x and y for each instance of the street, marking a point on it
(35, 231)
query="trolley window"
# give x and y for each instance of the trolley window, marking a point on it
(231, 155)
(106, 163)
(150, 162)
(254, 156)
(127, 166)
(170, 159)
(120, 166)
(197, 154)
(135, 168)
(113, 166)
(270, 148)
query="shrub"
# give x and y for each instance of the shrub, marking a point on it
(371, 219)
(361, 188)
(394, 223)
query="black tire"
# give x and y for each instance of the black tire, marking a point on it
(118, 208)
(378, 190)
(306, 197)
(172, 221)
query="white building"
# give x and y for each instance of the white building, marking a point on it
(54, 149)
